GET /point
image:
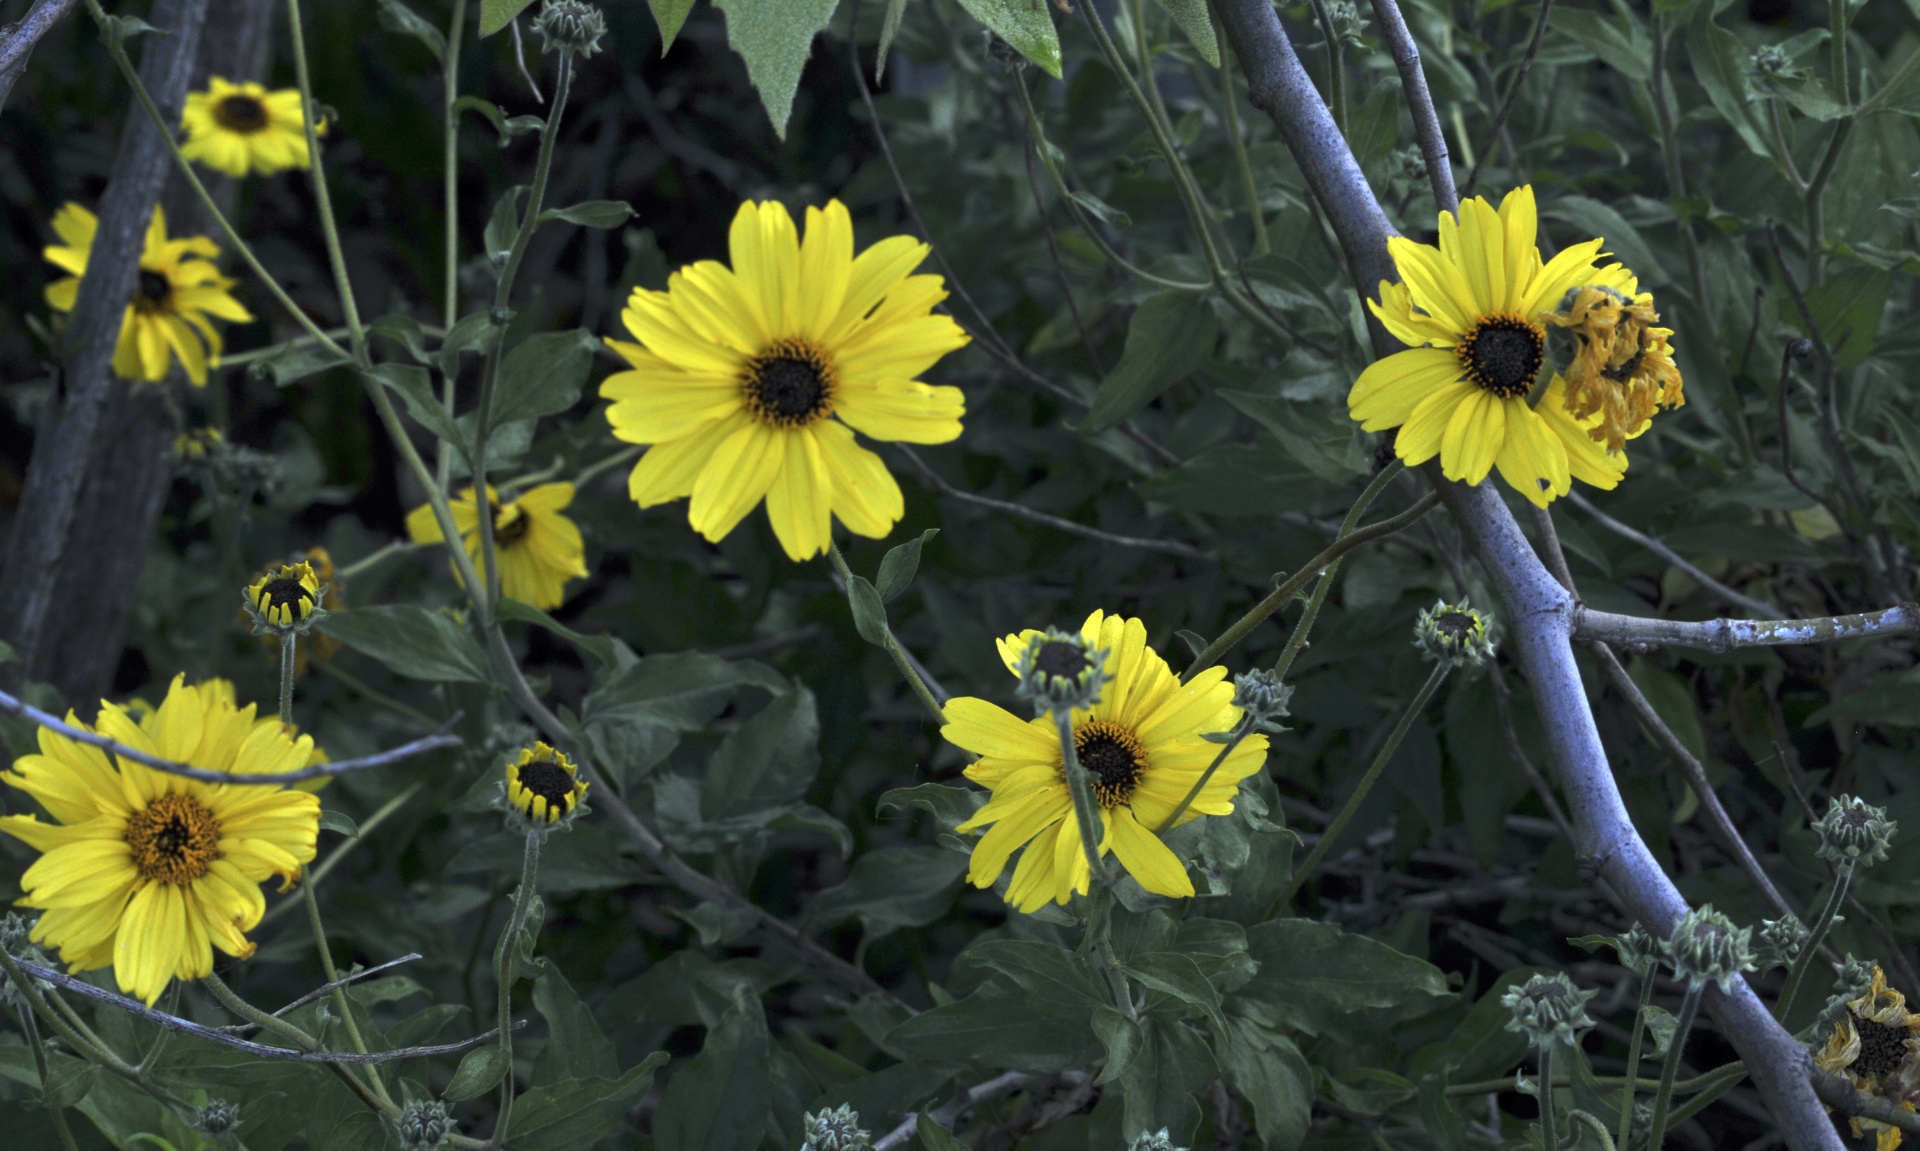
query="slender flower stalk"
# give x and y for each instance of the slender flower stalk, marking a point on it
(1638, 954)
(1670, 1068)
(288, 643)
(1082, 794)
(1829, 912)
(504, 961)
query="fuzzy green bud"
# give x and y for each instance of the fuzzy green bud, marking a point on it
(1263, 697)
(1638, 949)
(1780, 942)
(1548, 1008)
(1161, 1140)
(1706, 947)
(1454, 634)
(217, 1118)
(1061, 672)
(423, 1126)
(570, 26)
(836, 1129)
(1854, 833)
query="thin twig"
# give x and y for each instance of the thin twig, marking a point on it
(323, 990)
(1758, 607)
(1513, 95)
(948, 1113)
(1426, 119)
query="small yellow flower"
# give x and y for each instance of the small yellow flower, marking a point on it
(1141, 741)
(197, 444)
(1622, 365)
(750, 381)
(242, 128)
(1872, 1044)
(319, 645)
(177, 290)
(544, 785)
(537, 549)
(149, 872)
(284, 599)
(1475, 386)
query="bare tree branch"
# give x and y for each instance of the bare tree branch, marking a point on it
(1723, 635)
(22, 35)
(1653, 545)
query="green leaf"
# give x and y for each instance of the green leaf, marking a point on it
(718, 1101)
(1326, 450)
(889, 27)
(1237, 480)
(416, 391)
(1312, 975)
(768, 762)
(775, 37)
(1160, 1083)
(542, 375)
(507, 126)
(1370, 1091)
(339, 821)
(1622, 239)
(1269, 1071)
(934, 1137)
(897, 569)
(496, 239)
(1025, 25)
(1719, 62)
(413, 642)
(1191, 16)
(998, 1028)
(575, 1048)
(600, 647)
(1661, 1024)
(950, 806)
(893, 887)
(397, 17)
(1173, 974)
(634, 717)
(497, 14)
(295, 362)
(1046, 971)
(479, 1070)
(1892, 701)
(1672, 700)
(1848, 307)
(1122, 1037)
(601, 214)
(869, 613)
(1481, 1046)
(1170, 337)
(1620, 44)
(1440, 1116)
(475, 332)
(669, 15)
(406, 331)
(576, 1113)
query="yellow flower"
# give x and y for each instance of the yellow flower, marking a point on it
(220, 698)
(750, 381)
(197, 444)
(241, 128)
(544, 785)
(148, 872)
(1142, 744)
(319, 645)
(1470, 312)
(285, 598)
(1622, 365)
(536, 548)
(1871, 1044)
(172, 298)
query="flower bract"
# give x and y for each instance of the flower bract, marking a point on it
(174, 296)
(148, 872)
(750, 381)
(1471, 312)
(243, 128)
(536, 547)
(1143, 745)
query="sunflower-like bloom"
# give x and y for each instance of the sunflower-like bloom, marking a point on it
(537, 549)
(1143, 744)
(219, 696)
(1622, 365)
(319, 644)
(177, 290)
(285, 599)
(544, 785)
(242, 128)
(149, 872)
(1872, 1044)
(750, 381)
(1470, 312)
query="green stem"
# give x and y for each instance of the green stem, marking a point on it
(1549, 1126)
(1100, 928)
(231, 1000)
(289, 642)
(502, 296)
(368, 562)
(1297, 642)
(1240, 732)
(1083, 815)
(31, 1029)
(1349, 809)
(318, 874)
(1336, 66)
(450, 210)
(1663, 1099)
(360, 687)
(340, 1002)
(1842, 83)
(504, 959)
(1889, 88)
(1632, 1077)
(329, 229)
(1712, 1086)
(1232, 106)
(1816, 211)
(892, 646)
(1797, 974)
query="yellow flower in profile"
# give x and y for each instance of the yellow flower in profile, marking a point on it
(242, 128)
(1143, 744)
(537, 549)
(284, 599)
(149, 872)
(749, 382)
(1622, 365)
(177, 290)
(544, 785)
(1471, 312)
(1872, 1043)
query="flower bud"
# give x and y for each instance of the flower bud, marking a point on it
(543, 788)
(1161, 1140)
(1706, 947)
(570, 26)
(1854, 833)
(1061, 672)
(422, 1126)
(1453, 634)
(1548, 1008)
(217, 1118)
(837, 1129)
(1780, 942)
(1263, 697)
(1638, 949)
(286, 601)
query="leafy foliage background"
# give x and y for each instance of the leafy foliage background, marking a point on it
(742, 714)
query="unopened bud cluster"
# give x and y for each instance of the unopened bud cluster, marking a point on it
(217, 1118)
(1706, 947)
(1548, 1008)
(570, 26)
(422, 1126)
(1854, 833)
(1454, 634)
(837, 1129)
(1263, 697)
(1780, 942)
(1061, 672)
(1638, 949)
(1161, 1140)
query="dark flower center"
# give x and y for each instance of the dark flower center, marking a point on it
(549, 781)
(1114, 756)
(510, 531)
(174, 839)
(790, 385)
(153, 292)
(1064, 660)
(287, 592)
(1454, 624)
(1503, 354)
(1882, 1049)
(244, 114)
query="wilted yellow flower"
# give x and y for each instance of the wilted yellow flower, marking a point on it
(149, 872)
(1872, 1042)
(241, 128)
(177, 290)
(750, 381)
(537, 549)
(1622, 367)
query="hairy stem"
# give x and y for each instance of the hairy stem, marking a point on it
(1669, 1070)
(1632, 1078)
(505, 961)
(1797, 974)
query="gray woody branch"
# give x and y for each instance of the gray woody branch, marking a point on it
(1727, 634)
(10, 705)
(1539, 611)
(17, 40)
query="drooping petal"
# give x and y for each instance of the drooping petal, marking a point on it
(1390, 388)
